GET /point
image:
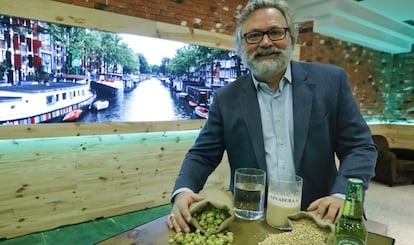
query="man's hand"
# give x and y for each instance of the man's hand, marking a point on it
(180, 215)
(328, 208)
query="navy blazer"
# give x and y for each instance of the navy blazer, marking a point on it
(327, 120)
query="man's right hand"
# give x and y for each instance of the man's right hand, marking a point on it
(180, 215)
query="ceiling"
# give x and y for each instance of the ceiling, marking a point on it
(377, 24)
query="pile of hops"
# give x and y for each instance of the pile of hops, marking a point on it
(197, 237)
(209, 219)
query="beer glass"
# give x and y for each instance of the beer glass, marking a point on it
(284, 198)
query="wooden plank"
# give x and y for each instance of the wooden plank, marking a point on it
(99, 128)
(398, 135)
(72, 15)
(50, 182)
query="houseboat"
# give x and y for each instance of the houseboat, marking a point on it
(129, 84)
(198, 96)
(31, 102)
(108, 85)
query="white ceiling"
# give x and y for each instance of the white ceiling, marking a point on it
(377, 24)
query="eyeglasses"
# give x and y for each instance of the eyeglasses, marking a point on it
(274, 34)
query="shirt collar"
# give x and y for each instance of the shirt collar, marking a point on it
(287, 76)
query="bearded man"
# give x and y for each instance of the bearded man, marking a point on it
(285, 117)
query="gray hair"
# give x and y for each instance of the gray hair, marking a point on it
(254, 5)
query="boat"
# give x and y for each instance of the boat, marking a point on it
(198, 96)
(201, 111)
(100, 105)
(32, 102)
(108, 85)
(192, 103)
(129, 85)
(72, 116)
(182, 95)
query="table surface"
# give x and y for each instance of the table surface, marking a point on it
(157, 232)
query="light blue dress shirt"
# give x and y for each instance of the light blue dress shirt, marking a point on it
(276, 110)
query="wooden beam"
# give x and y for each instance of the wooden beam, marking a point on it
(72, 15)
(98, 128)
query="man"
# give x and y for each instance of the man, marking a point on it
(285, 117)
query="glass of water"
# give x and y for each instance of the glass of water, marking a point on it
(249, 193)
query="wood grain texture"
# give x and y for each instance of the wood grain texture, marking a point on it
(125, 21)
(59, 174)
(99, 128)
(398, 135)
(157, 232)
(50, 182)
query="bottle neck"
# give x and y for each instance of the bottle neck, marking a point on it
(353, 210)
(353, 207)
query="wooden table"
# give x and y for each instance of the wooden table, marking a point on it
(157, 232)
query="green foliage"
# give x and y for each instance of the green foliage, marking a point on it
(98, 48)
(144, 68)
(164, 65)
(3, 68)
(194, 56)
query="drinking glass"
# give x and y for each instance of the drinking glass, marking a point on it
(249, 193)
(284, 198)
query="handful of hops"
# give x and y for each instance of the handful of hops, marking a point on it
(213, 214)
(307, 229)
(197, 237)
(210, 218)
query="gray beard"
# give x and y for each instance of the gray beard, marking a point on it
(267, 68)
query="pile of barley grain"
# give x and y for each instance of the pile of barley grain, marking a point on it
(304, 232)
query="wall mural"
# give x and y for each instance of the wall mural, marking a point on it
(55, 73)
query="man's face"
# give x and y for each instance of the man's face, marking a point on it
(266, 58)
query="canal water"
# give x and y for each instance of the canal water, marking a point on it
(151, 100)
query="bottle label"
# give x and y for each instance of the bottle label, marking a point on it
(349, 241)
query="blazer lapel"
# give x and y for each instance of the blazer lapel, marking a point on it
(251, 115)
(303, 91)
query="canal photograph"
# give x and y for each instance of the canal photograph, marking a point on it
(151, 100)
(57, 74)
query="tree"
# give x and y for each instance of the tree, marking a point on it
(207, 55)
(144, 66)
(130, 61)
(184, 59)
(164, 65)
(194, 56)
(72, 38)
(95, 48)
(155, 69)
(3, 68)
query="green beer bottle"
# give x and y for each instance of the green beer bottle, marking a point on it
(350, 228)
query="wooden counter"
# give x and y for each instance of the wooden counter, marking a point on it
(157, 232)
(50, 173)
